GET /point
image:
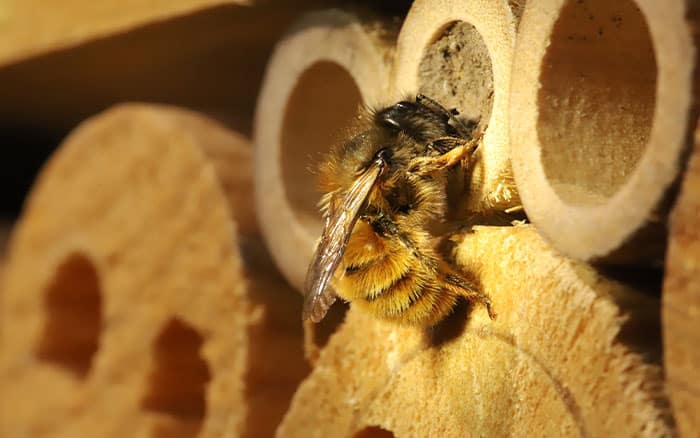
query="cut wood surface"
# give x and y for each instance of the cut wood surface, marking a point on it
(681, 302)
(32, 27)
(565, 357)
(601, 117)
(5, 228)
(138, 299)
(460, 52)
(320, 73)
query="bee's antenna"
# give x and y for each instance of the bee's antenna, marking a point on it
(449, 114)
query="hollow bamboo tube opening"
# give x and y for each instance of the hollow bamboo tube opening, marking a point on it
(456, 69)
(601, 100)
(594, 52)
(324, 99)
(459, 52)
(329, 64)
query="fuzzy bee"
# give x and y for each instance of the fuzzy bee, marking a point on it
(384, 191)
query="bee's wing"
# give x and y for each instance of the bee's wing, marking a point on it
(339, 222)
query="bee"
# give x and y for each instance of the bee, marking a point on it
(383, 192)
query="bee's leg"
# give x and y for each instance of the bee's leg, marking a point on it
(467, 290)
(458, 150)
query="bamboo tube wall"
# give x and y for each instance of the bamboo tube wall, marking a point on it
(152, 285)
(320, 73)
(603, 114)
(461, 54)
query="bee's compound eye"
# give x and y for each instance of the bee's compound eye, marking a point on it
(390, 122)
(397, 115)
(388, 118)
(402, 110)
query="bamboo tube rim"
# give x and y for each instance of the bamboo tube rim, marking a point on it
(593, 228)
(331, 38)
(495, 22)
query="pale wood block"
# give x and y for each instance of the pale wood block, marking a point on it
(558, 361)
(138, 297)
(681, 302)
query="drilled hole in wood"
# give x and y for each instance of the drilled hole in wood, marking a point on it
(597, 97)
(70, 337)
(178, 383)
(324, 101)
(374, 432)
(456, 71)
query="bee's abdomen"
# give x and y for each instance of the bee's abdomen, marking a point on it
(394, 284)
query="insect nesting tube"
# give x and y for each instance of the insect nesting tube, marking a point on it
(601, 111)
(459, 52)
(326, 66)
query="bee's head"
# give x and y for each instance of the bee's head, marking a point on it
(374, 144)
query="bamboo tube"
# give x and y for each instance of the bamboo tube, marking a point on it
(329, 64)
(681, 301)
(460, 52)
(601, 116)
(561, 359)
(138, 300)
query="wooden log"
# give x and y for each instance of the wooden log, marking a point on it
(32, 27)
(320, 73)
(460, 52)
(138, 298)
(138, 37)
(571, 354)
(681, 301)
(601, 116)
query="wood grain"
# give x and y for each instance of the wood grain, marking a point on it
(138, 297)
(565, 357)
(460, 53)
(681, 301)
